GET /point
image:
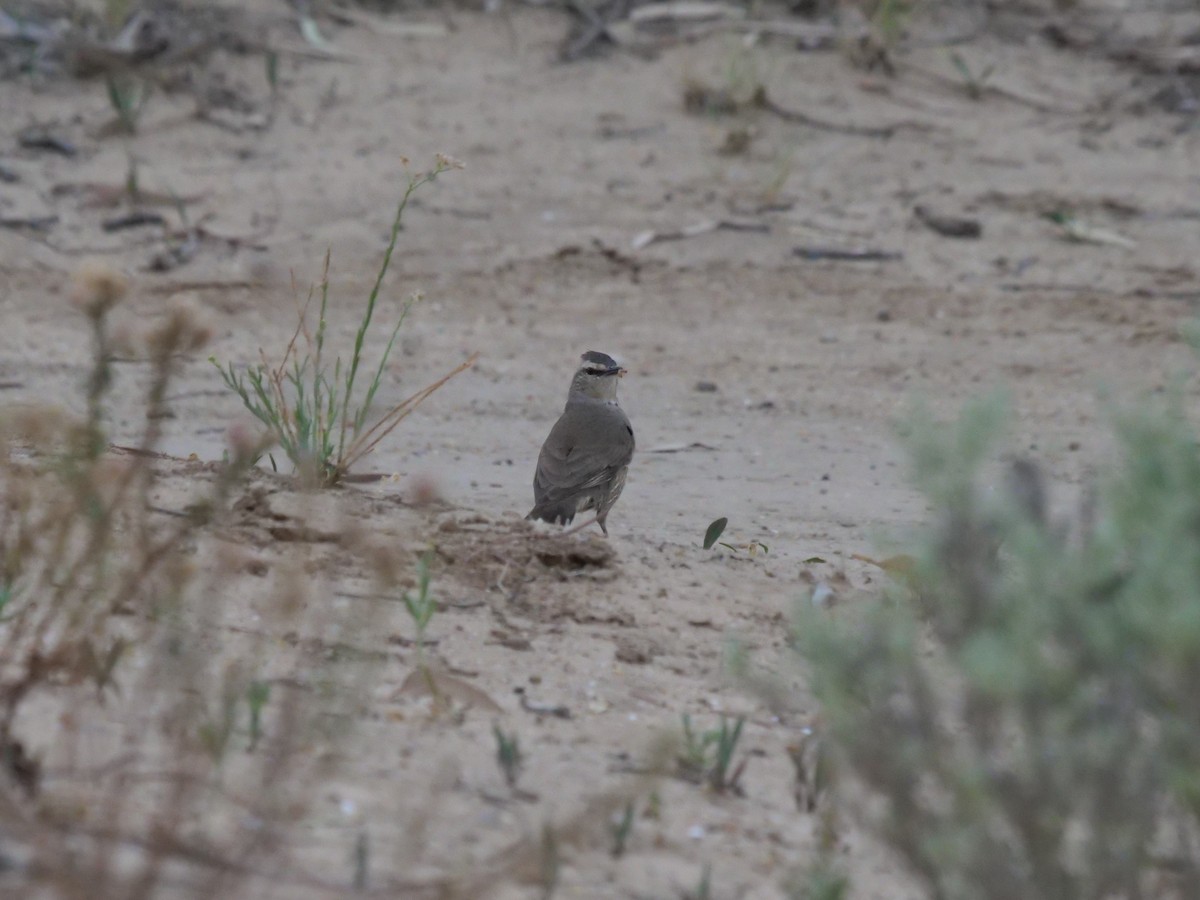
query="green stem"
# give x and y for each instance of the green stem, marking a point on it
(360, 337)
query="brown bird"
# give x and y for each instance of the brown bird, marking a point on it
(586, 457)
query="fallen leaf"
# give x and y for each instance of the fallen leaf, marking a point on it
(679, 447)
(390, 27)
(686, 10)
(1076, 230)
(901, 566)
(312, 35)
(645, 238)
(428, 682)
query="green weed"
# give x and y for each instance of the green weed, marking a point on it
(421, 606)
(622, 828)
(508, 755)
(127, 95)
(891, 17)
(311, 407)
(974, 83)
(708, 756)
(257, 695)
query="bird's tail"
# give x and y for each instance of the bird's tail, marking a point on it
(555, 513)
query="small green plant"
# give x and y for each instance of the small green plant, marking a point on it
(551, 862)
(707, 756)
(622, 828)
(508, 755)
(116, 12)
(271, 65)
(361, 860)
(891, 18)
(784, 166)
(823, 878)
(102, 666)
(824, 881)
(654, 805)
(127, 95)
(810, 761)
(723, 775)
(421, 606)
(744, 75)
(974, 83)
(715, 529)
(257, 695)
(216, 732)
(312, 408)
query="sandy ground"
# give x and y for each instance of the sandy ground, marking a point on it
(527, 258)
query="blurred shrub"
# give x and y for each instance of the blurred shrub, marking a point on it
(1024, 721)
(150, 744)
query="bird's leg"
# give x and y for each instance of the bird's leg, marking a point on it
(584, 525)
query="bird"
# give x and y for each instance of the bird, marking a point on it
(585, 459)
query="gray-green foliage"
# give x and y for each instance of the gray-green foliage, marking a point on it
(1030, 712)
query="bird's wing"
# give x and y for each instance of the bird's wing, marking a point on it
(585, 447)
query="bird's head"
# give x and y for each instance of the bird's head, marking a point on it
(596, 376)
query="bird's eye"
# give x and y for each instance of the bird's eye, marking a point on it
(592, 371)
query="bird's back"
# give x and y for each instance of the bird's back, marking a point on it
(588, 449)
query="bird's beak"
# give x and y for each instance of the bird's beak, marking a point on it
(621, 373)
